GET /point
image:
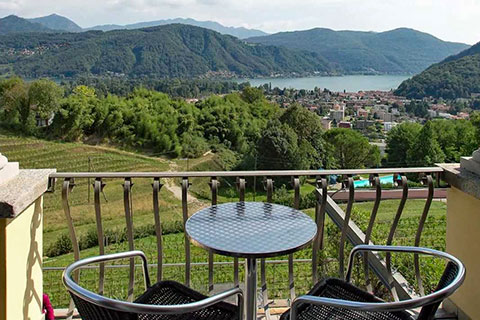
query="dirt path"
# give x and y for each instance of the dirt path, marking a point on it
(176, 190)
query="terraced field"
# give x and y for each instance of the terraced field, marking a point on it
(72, 157)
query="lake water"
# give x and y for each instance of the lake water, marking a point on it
(351, 83)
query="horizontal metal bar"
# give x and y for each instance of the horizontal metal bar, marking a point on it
(181, 264)
(242, 173)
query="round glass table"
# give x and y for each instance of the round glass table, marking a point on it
(251, 230)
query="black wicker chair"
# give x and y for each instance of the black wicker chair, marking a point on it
(165, 300)
(339, 299)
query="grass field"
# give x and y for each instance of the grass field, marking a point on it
(34, 153)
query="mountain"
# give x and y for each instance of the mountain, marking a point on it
(174, 50)
(238, 32)
(56, 22)
(457, 76)
(396, 51)
(14, 24)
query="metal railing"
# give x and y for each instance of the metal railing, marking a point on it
(325, 205)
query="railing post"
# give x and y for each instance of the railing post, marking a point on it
(68, 185)
(185, 186)
(348, 181)
(156, 185)
(375, 181)
(429, 182)
(320, 205)
(98, 186)
(127, 200)
(241, 197)
(296, 205)
(402, 181)
(21, 240)
(263, 272)
(214, 188)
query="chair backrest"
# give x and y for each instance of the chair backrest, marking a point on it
(449, 274)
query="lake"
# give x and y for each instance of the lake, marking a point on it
(352, 83)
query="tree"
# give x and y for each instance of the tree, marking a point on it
(44, 97)
(277, 148)
(426, 150)
(15, 100)
(399, 141)
(27, 100)
(351, 149)
(304, 122)
(76, 115)
(251, 94)
(308, 127)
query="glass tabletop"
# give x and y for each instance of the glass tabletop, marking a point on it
(251, 229)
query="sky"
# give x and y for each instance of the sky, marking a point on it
(451, 20)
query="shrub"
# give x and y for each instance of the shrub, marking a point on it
(63, 244)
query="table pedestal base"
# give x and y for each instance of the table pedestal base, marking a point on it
(251, 289)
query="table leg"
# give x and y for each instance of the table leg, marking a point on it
(251, 289)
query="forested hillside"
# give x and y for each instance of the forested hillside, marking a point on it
(56, 22)
(457, 76)
(14, 25)
(396, 51)
(166, 51)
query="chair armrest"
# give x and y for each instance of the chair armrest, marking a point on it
(69, 283)
(404, 249)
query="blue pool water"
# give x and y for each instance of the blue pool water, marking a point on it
(366, 183)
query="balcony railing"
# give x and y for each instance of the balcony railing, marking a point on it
(313, 263)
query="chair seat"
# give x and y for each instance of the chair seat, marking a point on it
(339, 289)
(173, 293)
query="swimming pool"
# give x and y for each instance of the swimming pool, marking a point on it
(366, 183)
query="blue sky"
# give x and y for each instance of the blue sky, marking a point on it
(453, 20)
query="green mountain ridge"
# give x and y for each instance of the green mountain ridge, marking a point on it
(13, 25)
(57, 22)
(457, 76)
(174, 50)
(400, 50)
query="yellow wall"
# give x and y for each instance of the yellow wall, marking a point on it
(463, 241)
(21, 280)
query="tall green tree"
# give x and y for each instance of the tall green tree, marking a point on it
(277, 149)
(44, 97)
(426, 150)
(76, 115)
(351, 149)
(399, 142)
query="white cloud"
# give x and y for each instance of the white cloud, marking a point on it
(447, 19)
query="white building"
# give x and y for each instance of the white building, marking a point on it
(387, 126)
(337, 114)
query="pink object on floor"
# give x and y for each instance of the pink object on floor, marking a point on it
(47, 308)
